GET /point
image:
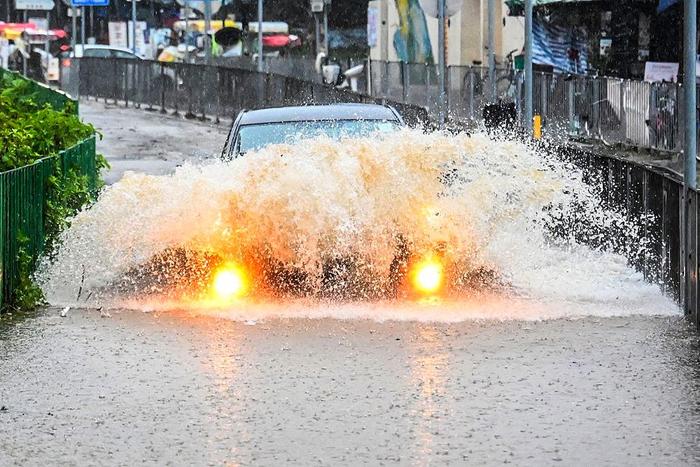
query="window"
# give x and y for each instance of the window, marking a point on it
(253, 137)
(122, 54)
(97, 53)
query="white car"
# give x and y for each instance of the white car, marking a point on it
(100, 51)
(156, 85)
(93, 51)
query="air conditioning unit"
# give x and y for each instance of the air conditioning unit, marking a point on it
(317, 6)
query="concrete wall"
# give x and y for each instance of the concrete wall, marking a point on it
(466, 34)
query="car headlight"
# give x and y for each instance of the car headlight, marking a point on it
(427, 275)
(230, 282)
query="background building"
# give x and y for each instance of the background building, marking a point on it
(400, 30)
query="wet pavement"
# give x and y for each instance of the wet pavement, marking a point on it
(178, 389)
(150, 142)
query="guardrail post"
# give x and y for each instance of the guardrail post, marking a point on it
(125, 81)
(149, 84)
(471, 93)
(135, 75)
(570, 91)
(114, 82)
(691, 260)
(162, 88)
(404, 78)
(175, 81)
(218, 97)
(623, 113)
(645, 227)
(190, 112)
(543, 97)
(204, 92)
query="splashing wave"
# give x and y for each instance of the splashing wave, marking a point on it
(486, 206)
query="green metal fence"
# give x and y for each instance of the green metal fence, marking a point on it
(24, 192)
(43, 94)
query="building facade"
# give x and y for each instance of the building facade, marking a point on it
(400, 30)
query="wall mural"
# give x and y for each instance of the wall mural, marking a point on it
(411, 39)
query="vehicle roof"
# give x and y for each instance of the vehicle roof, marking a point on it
(319, 112)
(80, 47)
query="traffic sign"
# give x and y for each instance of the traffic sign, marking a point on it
(34, 4)
(89, 2)
(199, 4)
(317, 6)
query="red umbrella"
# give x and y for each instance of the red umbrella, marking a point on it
(276, 40)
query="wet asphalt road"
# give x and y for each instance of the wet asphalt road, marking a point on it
(174, 389)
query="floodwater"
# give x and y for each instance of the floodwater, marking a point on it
(178, 388)
(560, 354)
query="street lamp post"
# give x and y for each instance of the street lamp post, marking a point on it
(689, 93)
(260, 35)
(442, 104)
(491, 46)
(527, 111)
(207, 29)
(133, 26)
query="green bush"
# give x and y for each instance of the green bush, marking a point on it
(28, 131)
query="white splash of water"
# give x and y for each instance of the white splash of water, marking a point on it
(485, 205)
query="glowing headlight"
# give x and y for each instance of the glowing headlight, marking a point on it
(427, 276)
(230, 282)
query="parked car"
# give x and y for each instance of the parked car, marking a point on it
(151, 90)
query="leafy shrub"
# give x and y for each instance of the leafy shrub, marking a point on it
(28, 131)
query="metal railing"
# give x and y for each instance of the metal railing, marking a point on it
(24, 192)
(295, 67)
(611, 110)
(205, 91)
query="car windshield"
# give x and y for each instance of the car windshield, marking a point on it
(251, 137)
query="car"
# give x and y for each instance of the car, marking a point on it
(100, 51)
(189, 272)
(341, 277)
(255, 129)
(157, 84)
(91, 51)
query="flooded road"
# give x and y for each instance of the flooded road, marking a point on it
(564, 356)
(150, 142)
(178, 389)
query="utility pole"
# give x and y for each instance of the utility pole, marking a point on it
(260, 36)
(207, 29)
(74, 28)
(527, 111)
(326, 7)
(82, 26)
(689, 93)
(318, 7)
(441, 65)
(491, 46)
(26, 48)
(187, 30)
(46, 42)
(133, 26)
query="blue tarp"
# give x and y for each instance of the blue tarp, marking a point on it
(664, 4)
(554, 45)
